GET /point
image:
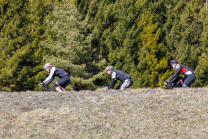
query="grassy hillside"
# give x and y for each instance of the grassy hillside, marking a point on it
(133, 113)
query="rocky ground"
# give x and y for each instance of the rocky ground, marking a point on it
(132, 113)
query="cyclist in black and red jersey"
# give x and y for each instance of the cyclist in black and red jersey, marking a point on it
(54, 71)
(184, 70)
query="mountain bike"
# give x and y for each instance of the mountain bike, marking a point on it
(46, 88)
(169, 85)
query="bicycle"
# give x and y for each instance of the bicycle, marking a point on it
(169, 85)
(46, 88)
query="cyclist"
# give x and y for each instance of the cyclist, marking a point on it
(54, 71)
(184, 70)
(120, 75)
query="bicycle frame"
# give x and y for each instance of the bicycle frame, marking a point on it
(46, 88)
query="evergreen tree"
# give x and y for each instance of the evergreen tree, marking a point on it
(22, 27)
(202, 66)
(71, 46)
(139, 37)
(151, 63)
(202, 71)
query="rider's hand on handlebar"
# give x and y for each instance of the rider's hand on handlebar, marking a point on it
(41, 85)
(166, 82)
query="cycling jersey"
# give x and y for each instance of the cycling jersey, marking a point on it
(120, 75)
(54, 72)
(181, 69)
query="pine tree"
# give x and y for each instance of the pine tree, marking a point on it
(201, 70)
(70, 46)
(21, 31)
(151, 64)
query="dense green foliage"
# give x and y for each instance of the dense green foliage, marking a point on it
(139, 37)
(22, 27)
(72, 46)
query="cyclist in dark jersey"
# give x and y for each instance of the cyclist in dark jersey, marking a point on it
(184, 70)
(54, 71)
(118, 75)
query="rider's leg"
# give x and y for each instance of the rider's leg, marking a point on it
(56, 86)
(180, 83)
(63, 82)
(189, 80)
(63, 86)
(58, 89)
(184, 86)
(126, 84)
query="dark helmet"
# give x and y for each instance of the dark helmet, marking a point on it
(173, 61)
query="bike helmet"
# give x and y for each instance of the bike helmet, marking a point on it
(109, 68)
(47, 65)
(173, 61)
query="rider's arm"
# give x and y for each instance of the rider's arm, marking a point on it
(173, 78)
(113, 81)
(50, 78)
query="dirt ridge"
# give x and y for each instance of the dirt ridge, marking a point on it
(131, 113)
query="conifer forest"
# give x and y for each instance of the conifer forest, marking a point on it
(139, 37)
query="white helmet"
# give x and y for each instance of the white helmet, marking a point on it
(109, 68)
(47, 65)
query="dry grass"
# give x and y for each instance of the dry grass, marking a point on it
(133, 113)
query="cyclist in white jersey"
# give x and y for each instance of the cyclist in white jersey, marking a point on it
(54, 71)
